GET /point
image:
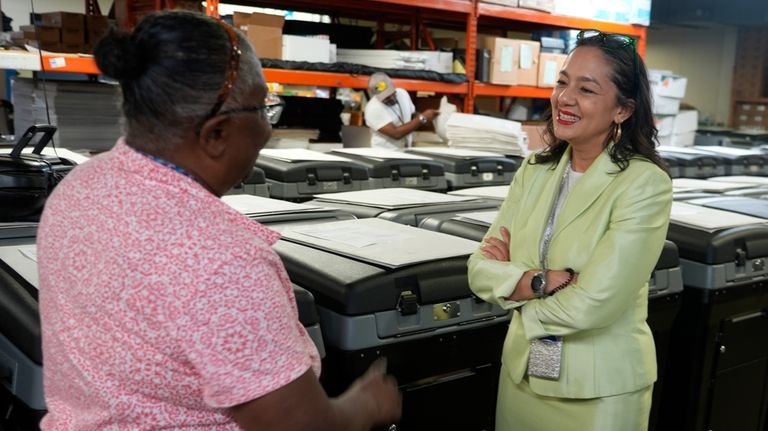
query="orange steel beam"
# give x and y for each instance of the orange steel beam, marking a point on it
(71, 63)
(329, 79)
(212, 8)
(541, 18)
(470, 60)
(485, 89)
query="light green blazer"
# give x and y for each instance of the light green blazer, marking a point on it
(610, 230)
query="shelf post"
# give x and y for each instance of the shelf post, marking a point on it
(470, 58)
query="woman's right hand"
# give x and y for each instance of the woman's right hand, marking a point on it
(380, 390)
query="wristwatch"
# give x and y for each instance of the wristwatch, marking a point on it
(538, 283)
(422, 119)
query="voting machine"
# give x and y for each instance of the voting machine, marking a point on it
(405, 206)
(255, 184)
(389, 290)
(740, 161)
(470, 168)
(718, 359)
(390, 168)
(692, 163)
(298, 174)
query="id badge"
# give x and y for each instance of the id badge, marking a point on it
(545, 356)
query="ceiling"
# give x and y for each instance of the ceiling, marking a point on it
(694, 12)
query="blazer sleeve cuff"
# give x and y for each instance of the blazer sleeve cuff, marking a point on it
(494, 281)
(531, 323)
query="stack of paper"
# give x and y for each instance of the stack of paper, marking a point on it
(86, 113)
(380, 154)
(255, 206)
(380, 242)
(752, 180)
(392, 198)
(709, 219)
(485, 133)
(696, 185)
(488, 192)
(480, 218)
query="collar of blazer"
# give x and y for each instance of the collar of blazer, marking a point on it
(586, 191)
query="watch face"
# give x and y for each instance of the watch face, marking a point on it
(536, 282)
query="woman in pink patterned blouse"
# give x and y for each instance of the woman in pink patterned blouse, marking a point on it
(162, 307)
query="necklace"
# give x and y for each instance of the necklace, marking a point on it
(399, 115)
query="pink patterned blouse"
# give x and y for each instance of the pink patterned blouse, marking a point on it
(161, 307)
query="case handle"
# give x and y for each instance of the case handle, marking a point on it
(46, 129)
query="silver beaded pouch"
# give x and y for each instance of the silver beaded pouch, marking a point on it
(544, 359)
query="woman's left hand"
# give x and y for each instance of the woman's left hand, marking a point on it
(497, 248)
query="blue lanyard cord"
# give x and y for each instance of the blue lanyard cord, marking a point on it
(170, 165)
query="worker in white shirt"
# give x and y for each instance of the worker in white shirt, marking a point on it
(391, 115)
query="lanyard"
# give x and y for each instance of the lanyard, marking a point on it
(549, 230)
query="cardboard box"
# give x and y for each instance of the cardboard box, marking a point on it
(550, 66)
(665, 125)
(527, 61)
(542, 5)
(503, 54)
(510, 3)
(667, 84)
(665, 105)
(47, 34)
(264, 32)
(685, 139)
(686, 121)
(73, 35)
(63, 19)
(311, 49)
(535, 133)
(96, 26)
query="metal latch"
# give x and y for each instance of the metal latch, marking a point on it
(408, 303)
(741, 257)
(311, 180)
(425, 173)
(395, 175)
(500, 169)
(473, 171)
(346, 178)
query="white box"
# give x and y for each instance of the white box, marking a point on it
(686, 121)
(667, 84)
(665, 105)
(665, 125)
(685, 139)
(311, 49)
(542, 5)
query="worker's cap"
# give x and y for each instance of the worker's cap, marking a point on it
(380, 86)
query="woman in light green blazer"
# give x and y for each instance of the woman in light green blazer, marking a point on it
(573, 247)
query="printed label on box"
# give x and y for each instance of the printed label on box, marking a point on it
(526, 56)
(506, 58)
(550, 72)
(57, 62)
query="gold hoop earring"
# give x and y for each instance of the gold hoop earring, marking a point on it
(617, 133)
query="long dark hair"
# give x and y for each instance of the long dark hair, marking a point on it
(637, 135)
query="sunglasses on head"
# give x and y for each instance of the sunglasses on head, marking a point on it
(614, 41)
(273, 104)
(609, 40)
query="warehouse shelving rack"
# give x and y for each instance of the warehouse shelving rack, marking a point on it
(469, 14)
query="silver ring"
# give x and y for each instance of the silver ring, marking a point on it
(392, 427)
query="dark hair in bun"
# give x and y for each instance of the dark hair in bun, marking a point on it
(117, 56)
(171, 69)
